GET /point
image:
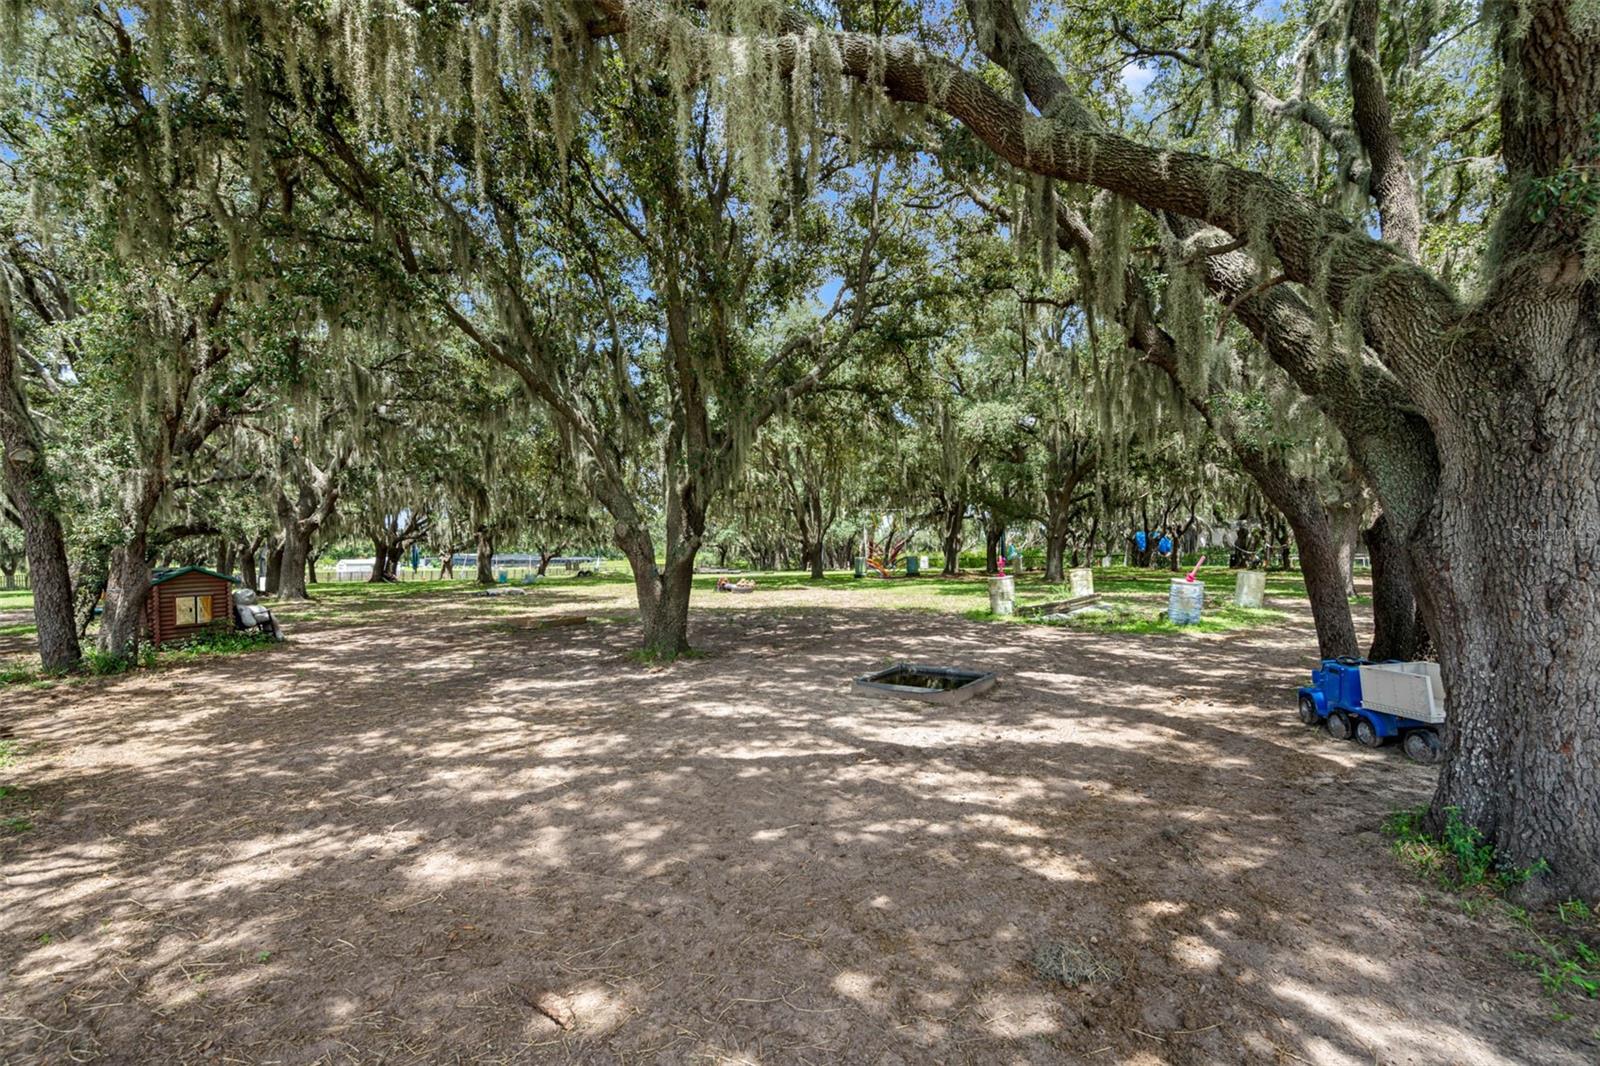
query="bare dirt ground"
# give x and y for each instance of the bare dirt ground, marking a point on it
(425, 834)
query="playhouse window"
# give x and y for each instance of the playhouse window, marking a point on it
(192, 610)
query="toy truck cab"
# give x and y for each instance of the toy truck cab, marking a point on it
(1377, 702)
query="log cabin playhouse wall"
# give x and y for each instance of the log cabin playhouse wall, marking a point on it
(186, 602)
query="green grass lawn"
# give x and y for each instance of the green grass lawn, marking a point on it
(1134, 600)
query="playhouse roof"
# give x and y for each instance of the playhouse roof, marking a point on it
(167, 575)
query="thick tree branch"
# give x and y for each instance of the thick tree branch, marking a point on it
(1390, 184)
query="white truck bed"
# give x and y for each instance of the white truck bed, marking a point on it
(1410, 690)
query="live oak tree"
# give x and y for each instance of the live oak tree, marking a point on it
(1471, 404)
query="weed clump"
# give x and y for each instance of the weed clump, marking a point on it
(1564, 945)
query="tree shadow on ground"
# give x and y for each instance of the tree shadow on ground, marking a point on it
(441, 840)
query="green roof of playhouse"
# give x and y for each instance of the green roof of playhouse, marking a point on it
(167, 575)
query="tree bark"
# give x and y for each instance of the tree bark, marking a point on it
(1344, 518)
(1298, 501)
(274, 569)
(1397, 632)
(292, 562)
(127, 589)
(51, 581)
(1055, 550)
(380, 562)
(485, 557)
(953, 523)
(666, 616)
(247, 566)
(26, 482)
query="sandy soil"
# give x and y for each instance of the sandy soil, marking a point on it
(435, 836)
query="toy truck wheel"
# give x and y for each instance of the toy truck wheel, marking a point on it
(1366, 735)
(1340, 726)
(1422, 745)
(1308, 711)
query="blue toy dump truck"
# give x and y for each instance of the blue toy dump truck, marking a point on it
(1375, 702)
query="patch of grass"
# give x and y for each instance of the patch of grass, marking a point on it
(20, 629)
(654, 656)
(1458, 859)
(97, 663)
(17, 674)
(10, 752)
(216, 642)
(1129, 618)
(1566, 965)
(1564, 943)
(16, 599)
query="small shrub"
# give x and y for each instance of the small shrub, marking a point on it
(1459, 858)
(99, 663)
(217, 642)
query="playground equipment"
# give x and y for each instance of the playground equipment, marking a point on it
(1374, 702)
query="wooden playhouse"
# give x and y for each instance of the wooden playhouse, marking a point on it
(187, 601)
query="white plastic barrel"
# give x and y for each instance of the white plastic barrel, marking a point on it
(1002, 595)
(1185, 602)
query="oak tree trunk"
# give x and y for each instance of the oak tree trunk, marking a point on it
(1397, 629)
(127, 589)
(274, 569)
(665, 615)
(51, 581)
(1516, 612)
(1298, 500)
(292, 563)
(380, 562)
(954, 521)
(25, 482)
(1055, 549)
(485, 558)
(247, 566)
